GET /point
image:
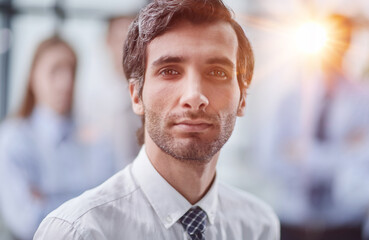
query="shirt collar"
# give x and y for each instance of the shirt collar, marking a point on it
(169, 204)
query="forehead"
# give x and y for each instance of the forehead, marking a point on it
(200, 41)
(56, 54)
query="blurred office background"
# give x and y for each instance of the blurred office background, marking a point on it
(269, 24)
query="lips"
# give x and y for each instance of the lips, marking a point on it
(197, 125)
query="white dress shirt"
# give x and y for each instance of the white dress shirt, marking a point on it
(137, 203)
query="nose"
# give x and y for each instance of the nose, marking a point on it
(193, 97)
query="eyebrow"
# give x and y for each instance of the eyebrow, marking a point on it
(179, 59)
(168, 59)
(221, 60)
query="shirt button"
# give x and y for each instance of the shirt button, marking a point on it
(169, 219)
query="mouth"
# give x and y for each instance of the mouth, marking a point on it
(197, 125)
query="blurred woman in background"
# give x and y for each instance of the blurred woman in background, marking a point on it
(43, 161)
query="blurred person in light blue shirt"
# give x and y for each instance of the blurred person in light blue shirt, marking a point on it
(44, 160)
(320, 163)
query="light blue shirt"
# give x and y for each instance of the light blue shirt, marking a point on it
(138, 203)
(340, 164)
(43, 163)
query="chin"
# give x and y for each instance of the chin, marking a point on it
(192, 149)
(63, 111)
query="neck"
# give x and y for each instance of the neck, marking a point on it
(191, 179)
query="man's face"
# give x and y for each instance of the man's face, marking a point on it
(191, 96)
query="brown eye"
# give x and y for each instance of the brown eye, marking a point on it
(218, 74)
(166, 72)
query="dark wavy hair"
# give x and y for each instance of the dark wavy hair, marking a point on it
(159, 15)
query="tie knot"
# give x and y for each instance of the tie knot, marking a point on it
(194, 222)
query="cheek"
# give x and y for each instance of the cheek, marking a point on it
(42, 88)
(224, 99)
(159, 96)
(63, 84)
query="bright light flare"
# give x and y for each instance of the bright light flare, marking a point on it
(311, 37)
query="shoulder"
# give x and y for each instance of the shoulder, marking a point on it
(78, 213)
(248, 209)
(15, 135)
(118, 187)
(353, 89)
(12, 128)
(353, 98)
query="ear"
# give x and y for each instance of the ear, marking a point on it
(242, 104)
(137, 104)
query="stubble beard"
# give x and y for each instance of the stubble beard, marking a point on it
(194, 148)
